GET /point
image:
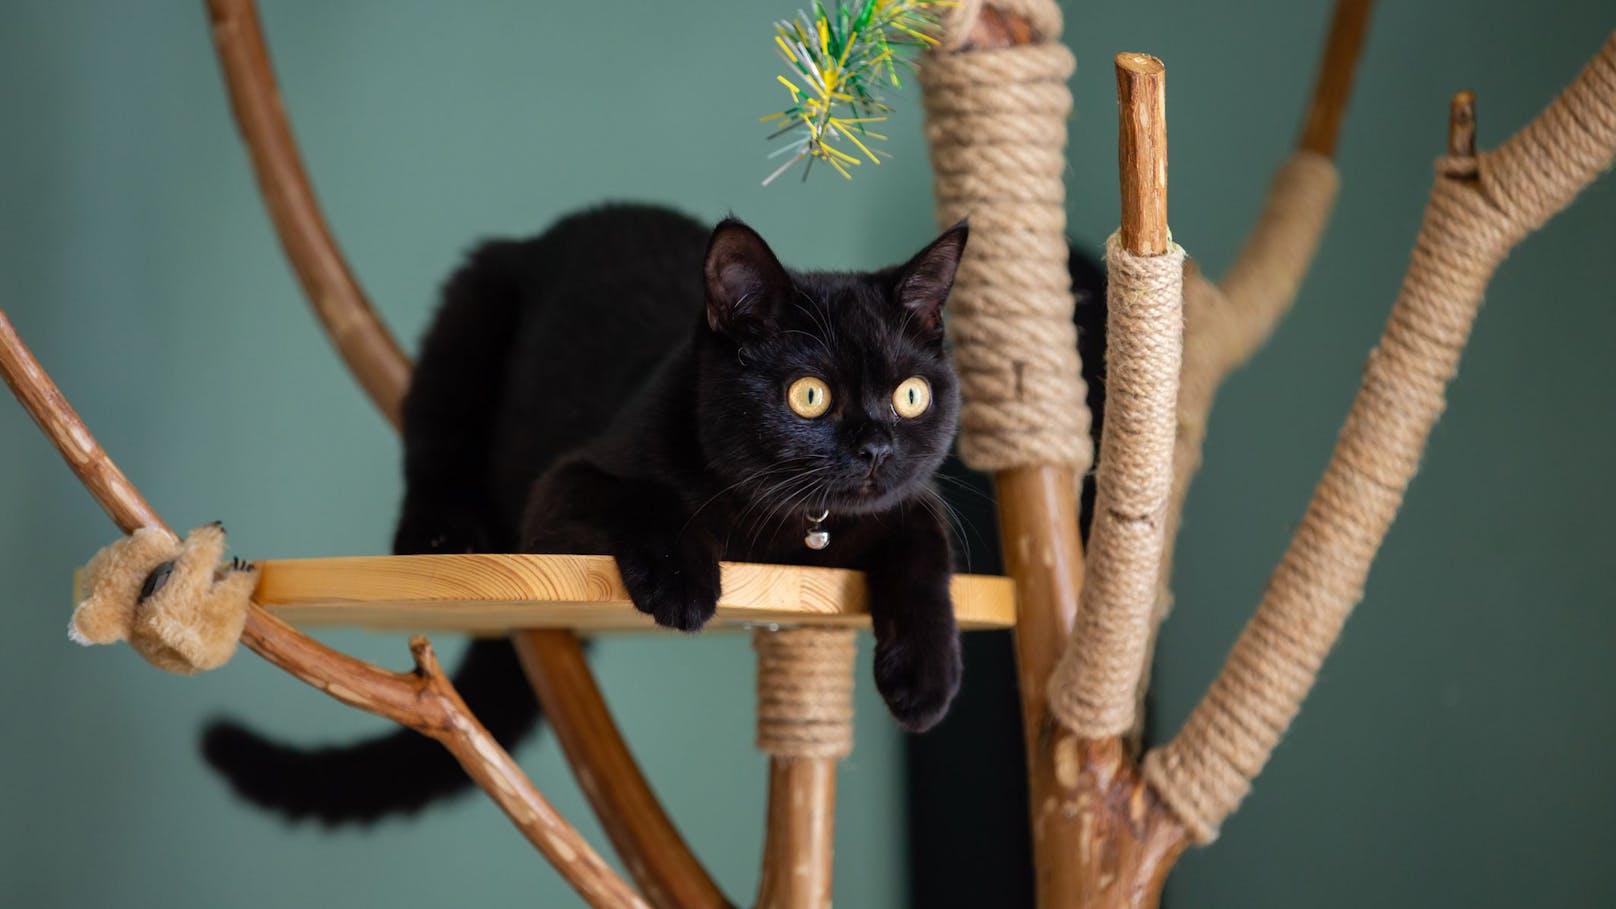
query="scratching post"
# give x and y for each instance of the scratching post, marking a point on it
(805, 726)
(1107, 827)
(1481, 205)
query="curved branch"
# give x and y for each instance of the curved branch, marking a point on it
(382, 369)
(1480, 207)
(1333, 86)
(657, 857)
(423, 700)
(364, 342)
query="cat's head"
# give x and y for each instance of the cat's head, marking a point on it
(825, 390)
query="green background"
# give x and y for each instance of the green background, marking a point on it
(1456, 751)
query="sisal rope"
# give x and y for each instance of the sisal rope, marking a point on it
(1092, 688)
(1224, 325)
(996, 125)
(1478, 210)
(805, 692)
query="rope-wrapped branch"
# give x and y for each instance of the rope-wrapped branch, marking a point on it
(805, 692)
(996, 124)
(805, 726)
(1226, 323)
(1479, 208)
(1092, 690)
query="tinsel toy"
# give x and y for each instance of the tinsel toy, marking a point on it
(841, 58)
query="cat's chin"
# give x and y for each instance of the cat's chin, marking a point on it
(866, 499)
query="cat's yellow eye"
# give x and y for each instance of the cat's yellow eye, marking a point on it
(809, 397)
(912, 397)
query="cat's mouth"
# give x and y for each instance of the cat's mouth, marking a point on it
(870, 492)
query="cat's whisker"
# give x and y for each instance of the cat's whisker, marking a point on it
(963, 486)
(932, 500)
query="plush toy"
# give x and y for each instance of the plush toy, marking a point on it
(176, 603)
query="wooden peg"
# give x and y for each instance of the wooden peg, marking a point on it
(1142, 152)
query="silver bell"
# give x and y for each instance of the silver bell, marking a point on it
(817, 539)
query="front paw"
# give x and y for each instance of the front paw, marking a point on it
(437, 528)
(918, 676)
(679, 590)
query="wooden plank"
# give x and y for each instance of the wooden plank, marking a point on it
(489, 593)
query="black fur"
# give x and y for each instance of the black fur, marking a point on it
(617, 385)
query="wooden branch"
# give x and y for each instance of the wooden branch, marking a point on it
(1478, 211)
(800, 841)
(374, 358)
(805, 726)
(1333, 87)
(1127, 840)
(1462, 125)
(38, 395)
(1093, 690)
(656, 855)
(1142, 153)
(423, 700)
(364, 342)
(1044, 554)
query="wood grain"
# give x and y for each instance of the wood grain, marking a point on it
(1333, 87)
(488, 593)
(799, 846)
(364, 342)
(1142, 152)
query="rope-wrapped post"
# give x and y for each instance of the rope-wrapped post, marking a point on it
(805, 726)
(1092, 691)
(1480, 207)
(997, 105)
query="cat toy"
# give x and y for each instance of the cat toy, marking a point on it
(841, 59)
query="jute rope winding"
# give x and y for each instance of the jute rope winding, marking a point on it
(1226, 323)
(805, 692)
(1478, 210)
(996, 125)
(1092, 689)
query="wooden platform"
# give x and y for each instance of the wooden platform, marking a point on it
(498, 592)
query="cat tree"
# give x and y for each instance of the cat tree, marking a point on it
(1107, 826)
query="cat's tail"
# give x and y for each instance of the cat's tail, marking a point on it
(449, 413)
(398, 773)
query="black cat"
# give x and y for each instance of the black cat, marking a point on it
(630, 384)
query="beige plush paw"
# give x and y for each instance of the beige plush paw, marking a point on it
(176, 603)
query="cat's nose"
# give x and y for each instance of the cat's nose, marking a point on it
(874, 452)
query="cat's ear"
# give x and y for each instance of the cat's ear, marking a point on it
(744, 281)
(923, 282)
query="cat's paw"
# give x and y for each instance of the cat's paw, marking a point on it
(918, 676)
(442, 529)
(679, 590)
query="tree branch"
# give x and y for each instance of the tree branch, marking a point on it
(1480, 207)
(1093, 688)
(381, 368)
(424, 700)
(1225, 325)
(359, 335)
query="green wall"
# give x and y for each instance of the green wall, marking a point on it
(1455, 752)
